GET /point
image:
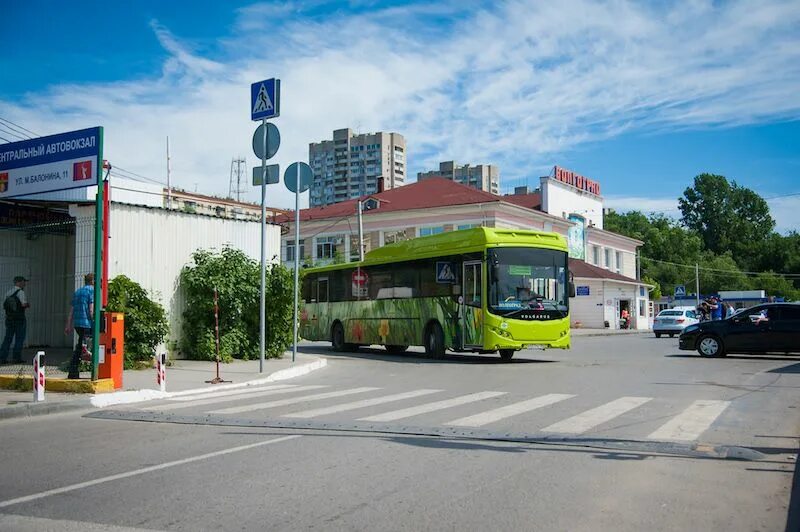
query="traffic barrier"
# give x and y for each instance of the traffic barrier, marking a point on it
(161, 372)
(38, 377)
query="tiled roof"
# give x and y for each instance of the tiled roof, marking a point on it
(580, 268)
(531, 201)
(426, 194)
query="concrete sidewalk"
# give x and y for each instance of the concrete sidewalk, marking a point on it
(608, 332)
(184, 377)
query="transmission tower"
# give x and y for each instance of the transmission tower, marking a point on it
(238, 172)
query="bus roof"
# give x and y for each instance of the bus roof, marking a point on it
(453, 243)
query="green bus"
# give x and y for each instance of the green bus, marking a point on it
(474, 290)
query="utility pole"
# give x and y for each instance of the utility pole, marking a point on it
(360, 233)
(169, 170)
(697, 281)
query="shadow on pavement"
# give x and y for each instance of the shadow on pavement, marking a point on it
(780, 358)
(417, 357)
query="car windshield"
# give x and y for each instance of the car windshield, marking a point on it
(671, 313)
(527, 278)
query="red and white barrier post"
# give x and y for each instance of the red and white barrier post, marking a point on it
(38, 377)
(161, 372)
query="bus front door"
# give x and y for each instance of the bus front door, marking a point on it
(471, 307)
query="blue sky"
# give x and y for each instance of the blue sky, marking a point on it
(640, 97)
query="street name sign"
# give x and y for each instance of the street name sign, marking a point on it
(46, 164)
(265, 99)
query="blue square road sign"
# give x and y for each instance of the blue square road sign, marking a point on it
(265, 99)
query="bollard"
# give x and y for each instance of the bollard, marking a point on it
(38, 377)
(161, 372)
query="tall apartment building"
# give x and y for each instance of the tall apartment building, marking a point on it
(484, 177)
(351, 165)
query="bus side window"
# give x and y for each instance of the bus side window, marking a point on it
(323, 290)
(306, 294)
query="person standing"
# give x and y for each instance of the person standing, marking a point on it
(81, 317)
(15, 303)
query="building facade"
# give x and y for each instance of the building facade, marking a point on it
(353, 165)
(484, 177)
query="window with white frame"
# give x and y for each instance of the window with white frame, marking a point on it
(607, 258)
(596, 255)
(427, 231)
(326, 246)
(618, 261)
(290, 248)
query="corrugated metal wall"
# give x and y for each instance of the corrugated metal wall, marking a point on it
(151, 246)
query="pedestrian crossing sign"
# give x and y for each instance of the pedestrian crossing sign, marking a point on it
(680, 290)
(265, 98)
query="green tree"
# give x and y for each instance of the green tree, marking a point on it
(776, 285)
(145, 320)
(727, 217)
(237, 279)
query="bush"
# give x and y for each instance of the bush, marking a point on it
(145, 320)
(237, 279)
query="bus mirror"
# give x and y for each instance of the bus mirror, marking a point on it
(571, 289)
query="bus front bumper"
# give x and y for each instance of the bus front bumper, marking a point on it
(553, 335)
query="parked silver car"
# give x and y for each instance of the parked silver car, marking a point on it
(674, 321)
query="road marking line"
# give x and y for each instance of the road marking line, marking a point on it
(142, 471)
(692, 422)
(479, 420)
(597, 416)
(238, 391)
(189, 404)
(432, 407)
(293, 400)
(360, 404)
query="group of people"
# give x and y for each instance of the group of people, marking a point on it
(714, 308)
(81, 318)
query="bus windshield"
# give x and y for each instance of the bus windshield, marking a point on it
(528, 279)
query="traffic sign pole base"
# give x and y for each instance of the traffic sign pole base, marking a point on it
(217, 380)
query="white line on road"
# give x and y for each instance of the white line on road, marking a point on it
(484, 418)
(293, 400)
(596, 416)
(237, 391)
(432, 407)
(202, 402)
(142, 471)
(360, 404)
(692, 422)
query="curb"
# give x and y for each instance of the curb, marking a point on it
(138, 396)
(24, 383)
(573, 336)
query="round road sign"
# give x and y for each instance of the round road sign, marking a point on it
(273, 140)
(290, 177)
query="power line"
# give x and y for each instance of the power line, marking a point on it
(782, 274)
(22, 129)
(7, 130)
(5, 139)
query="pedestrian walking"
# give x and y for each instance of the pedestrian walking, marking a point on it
(15, 303)
(717, 312)
(81, 317)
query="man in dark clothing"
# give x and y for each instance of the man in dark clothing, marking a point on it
(15, 303)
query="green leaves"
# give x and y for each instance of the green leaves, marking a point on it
(145, 320)
(237, 279)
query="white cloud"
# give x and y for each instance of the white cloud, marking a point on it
(514, 84)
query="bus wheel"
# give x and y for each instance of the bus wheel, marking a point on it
(434, 341)
(337, 337)
(396, 349)
(506, 354)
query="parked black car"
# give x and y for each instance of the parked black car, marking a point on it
(769, 328)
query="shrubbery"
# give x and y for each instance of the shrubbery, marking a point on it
(237, 279)
(145, 320)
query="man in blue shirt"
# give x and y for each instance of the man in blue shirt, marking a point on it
(81, 316)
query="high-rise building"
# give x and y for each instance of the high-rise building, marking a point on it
(484, 177)
(353, 165)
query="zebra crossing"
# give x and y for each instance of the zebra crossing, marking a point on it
(487, 409)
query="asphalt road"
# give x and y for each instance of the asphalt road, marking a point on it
(619, 433)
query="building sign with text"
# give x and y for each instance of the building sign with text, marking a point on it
(578, 181)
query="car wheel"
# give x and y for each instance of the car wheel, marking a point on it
(434, 341)
(658, 335)
(337, 337)
(710, 346)
(507, 354)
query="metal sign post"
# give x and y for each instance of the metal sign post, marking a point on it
(38, 377)
(265, 97)
(297, 179)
